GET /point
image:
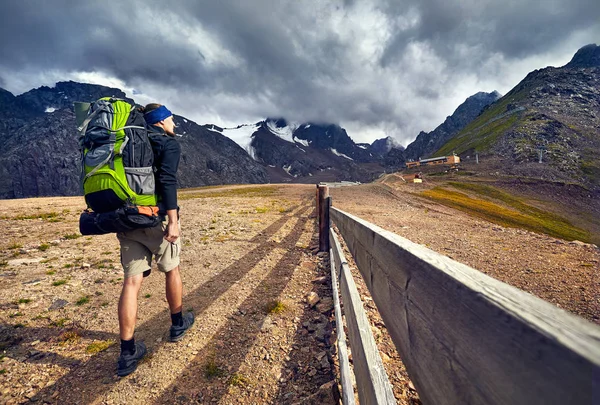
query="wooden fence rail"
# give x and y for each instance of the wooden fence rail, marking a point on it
(464, 337)
(371, 379)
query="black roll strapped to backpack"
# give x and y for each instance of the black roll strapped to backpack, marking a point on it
(123, 219)
(117, 168)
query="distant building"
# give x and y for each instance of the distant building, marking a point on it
(442, 160)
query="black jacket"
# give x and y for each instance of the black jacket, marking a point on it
(167, 153)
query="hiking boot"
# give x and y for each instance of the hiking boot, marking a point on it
(177, 332)
(127, 363)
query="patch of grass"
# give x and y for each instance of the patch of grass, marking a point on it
(59, 282)
(3, 371)
(522, 216)
(212, 370)
(98, 347)
(59, 323)
(44, 247)
(16, 314)
(83, 300)
(247, 192)
(147, 295)
(3, 263)
(261, 210)
(15, 245)
(107, 253)
(50, 272)
(69, 337)
(275, 307)
(23, 301)
(239, 380)
(48, 260)
(104, 304)
(42, 215)
(72, 236)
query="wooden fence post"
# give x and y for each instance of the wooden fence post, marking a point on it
(323, 204)
(317, 200)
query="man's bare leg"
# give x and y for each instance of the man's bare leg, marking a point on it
(174, 290)
(128, 306)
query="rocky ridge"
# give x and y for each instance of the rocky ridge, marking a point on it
(41, 153)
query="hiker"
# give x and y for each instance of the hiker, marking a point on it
(162, 241)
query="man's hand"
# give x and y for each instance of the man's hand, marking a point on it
(172, 231)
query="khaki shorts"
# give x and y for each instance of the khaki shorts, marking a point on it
(138, 247)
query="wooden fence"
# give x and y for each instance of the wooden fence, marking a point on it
(464, 337)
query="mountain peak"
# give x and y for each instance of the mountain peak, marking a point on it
(585, 57)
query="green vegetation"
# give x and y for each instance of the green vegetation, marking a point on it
(481, 139)
(249, 192)
(261, 210)
(239, 380)
(47, 215)
(83, 300)
(3, 371)
(69, 337)
(519, 215)
(43, 247)
(15, 245)
(211, 369)
(59, 282)
(59, 323)
(98, 347)
(16, 314)
(72, 236)
(23, 301)
(50, 272)
(147, 295)
(275, 307)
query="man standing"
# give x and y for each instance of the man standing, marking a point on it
(163, 242)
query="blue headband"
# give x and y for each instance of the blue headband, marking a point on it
(157, 115)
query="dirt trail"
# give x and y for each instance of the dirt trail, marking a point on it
(247, 254)
(242, 253)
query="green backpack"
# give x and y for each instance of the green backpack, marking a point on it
(116, 155)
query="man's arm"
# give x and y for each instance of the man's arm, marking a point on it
(167, 177)
(172, 231)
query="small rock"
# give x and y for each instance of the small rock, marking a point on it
(58, 304)
(312, 298)
(321, 354)
(55, 242)
(85, 265)
(411, 386)
(325, 305)
(35, 342)
(320, 280)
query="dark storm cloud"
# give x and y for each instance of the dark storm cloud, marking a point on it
(373, 63)
(515, 29)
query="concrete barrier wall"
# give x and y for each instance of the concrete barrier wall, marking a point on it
(467, 338)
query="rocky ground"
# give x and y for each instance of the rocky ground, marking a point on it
(249, 264)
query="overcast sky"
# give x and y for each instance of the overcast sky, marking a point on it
(377, 68)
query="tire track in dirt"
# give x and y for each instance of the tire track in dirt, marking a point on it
(88, 382)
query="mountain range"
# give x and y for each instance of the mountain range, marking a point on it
(552, 112)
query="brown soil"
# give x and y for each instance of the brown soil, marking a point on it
(243, 253)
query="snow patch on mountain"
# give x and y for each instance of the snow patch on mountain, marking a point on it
(303, 142)
(335, 152)
(50, 109)
(243, 136)
(286, 133)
